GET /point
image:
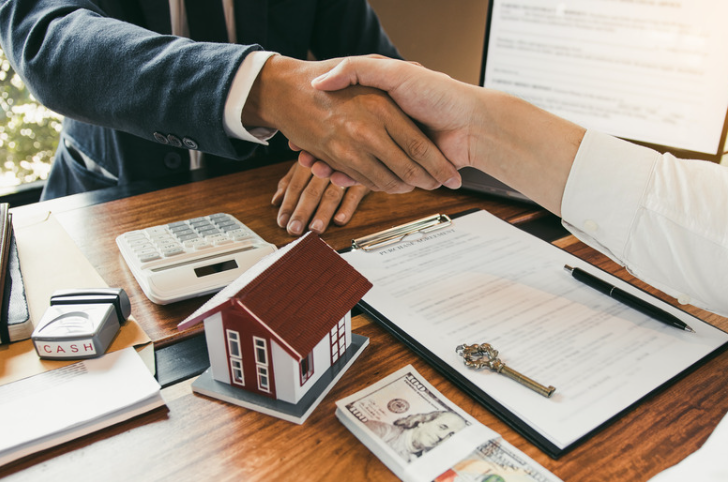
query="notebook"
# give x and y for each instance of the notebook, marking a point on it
(654, 73)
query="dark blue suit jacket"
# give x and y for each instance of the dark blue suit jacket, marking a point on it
(135, 101)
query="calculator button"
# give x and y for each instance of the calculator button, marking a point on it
(134, 235)
(229, 227)
(242, 237)
(155, 230)
(143, 248)
(197, 244)
(173, 251)
(188, 236)
(138, 242)
(145, 258)
(180, 229)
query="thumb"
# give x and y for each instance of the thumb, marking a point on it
(377, 72)
(340, 77)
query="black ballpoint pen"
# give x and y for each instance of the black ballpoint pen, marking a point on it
(630, 300)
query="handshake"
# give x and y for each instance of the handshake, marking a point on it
(391, 126)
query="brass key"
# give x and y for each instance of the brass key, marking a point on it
(483, 355)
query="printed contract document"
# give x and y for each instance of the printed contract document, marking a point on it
(482, 280)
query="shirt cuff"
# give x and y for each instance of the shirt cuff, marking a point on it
(605, 190)
(238, 95)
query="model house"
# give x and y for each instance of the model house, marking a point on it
(280, 335)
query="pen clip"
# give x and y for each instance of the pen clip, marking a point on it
(399, 233)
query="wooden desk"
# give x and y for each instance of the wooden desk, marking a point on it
(196, 438)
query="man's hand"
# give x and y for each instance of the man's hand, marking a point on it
(358, 131)
(303, 197)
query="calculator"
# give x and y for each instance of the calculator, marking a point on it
(189, 258)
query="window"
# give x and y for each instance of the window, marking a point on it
(233, 338)
(306, 368)
(261, 353)
(263, 380)
(236, 357)
(338, 340)
(236, 370)
(261, 363)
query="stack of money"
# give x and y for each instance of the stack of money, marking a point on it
(422, 436)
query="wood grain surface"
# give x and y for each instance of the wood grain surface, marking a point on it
(198, 438)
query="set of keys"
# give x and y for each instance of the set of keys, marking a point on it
(484, 355)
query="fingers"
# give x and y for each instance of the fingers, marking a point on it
(338, 205)
(349, 204)
(307, 160)
(282, 188)
(422, 155)
(309, 202)
(342, 180)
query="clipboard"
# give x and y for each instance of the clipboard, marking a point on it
(432, 224)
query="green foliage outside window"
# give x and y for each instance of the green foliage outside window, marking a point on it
(28, 132)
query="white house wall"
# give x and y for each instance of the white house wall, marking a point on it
(216, 340)
(287, 370)
(347, 327)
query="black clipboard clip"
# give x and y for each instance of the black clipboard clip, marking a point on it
(399, 233)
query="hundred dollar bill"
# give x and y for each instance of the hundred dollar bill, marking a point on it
(422, 436)
(496, 461)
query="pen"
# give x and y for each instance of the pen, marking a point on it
(630, 300)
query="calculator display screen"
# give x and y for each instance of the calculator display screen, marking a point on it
(215, 268)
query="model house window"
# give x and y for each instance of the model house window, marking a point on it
(306, 368)
(338, 340)
(261, 351)
(261, 363)
(263, 380)
(236, 369)
(233, 339)
(236, 357)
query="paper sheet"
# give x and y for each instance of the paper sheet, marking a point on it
(485, 281)
(95, 393)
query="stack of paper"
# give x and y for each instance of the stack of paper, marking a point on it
(59, 405)
(422, 436)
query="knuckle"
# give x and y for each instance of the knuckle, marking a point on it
(333, 193)
(413, 177)
(313, 192)
(418, 148)
(394, 186)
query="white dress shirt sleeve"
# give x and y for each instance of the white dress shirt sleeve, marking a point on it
(664, 219)
(238, 95)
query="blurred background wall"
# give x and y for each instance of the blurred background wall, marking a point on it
(444, 35)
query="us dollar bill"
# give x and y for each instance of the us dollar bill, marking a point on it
(496, 461)
(421, 435)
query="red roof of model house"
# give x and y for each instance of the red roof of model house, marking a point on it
(298, 293)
